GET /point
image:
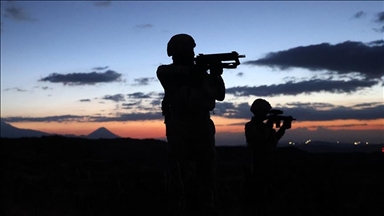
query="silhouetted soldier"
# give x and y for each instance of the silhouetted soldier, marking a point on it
(190, 95)
(262, 140)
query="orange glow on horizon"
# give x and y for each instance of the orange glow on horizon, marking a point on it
(134, 129)
(156, 128)
(376, 124)
(223, 124)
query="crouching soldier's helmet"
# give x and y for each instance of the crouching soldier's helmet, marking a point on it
(179, 44)
(260, 106)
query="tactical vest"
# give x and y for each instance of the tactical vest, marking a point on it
(184, 95)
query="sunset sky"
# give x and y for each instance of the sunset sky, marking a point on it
(70, 67)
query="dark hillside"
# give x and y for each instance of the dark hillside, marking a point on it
(73, 176)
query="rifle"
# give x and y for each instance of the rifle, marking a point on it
(208, 61)
(275, 115)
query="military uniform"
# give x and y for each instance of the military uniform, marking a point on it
(262, 142)
(190, 95)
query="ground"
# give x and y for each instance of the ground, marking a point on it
(70, 176)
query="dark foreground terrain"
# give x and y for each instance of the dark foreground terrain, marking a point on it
(72, 176)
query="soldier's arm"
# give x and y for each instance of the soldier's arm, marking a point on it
(217, 86)
(280, 133)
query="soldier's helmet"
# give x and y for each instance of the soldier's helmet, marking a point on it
(179, 44)
(260, 105)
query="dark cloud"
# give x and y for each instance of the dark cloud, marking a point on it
(306, 87)
(143, 105)
(100, 68)
(376, 43)
(380, 30)
(15, 89)
(102, 3)
(300, 111)
(140, 95)
(83, 78)
(121, 117)
(85, 100)
(144, 81)
(17, 14)
(43, 87)
(160, 95)
(342, 58)
(308, 111)
(115, 98)
(231, 110)
(156, 102)
(310, 105)
(380, 17)
(130, 117)
(339, 126)
(143, 101)
(367, 104)
(131, 105)
(359, 14)
(313, 113)
(223, 108)
(61, 118)
(144, 26)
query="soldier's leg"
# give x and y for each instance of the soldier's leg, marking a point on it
(176, 171)
(206, 167)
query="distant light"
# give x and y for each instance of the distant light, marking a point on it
(337, 142)
(382, 149)
(356, 143)
(307, 142)
(290, 143)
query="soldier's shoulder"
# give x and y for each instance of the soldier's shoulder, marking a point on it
(248, 124)
(252, 125)
(163, 66)
(171, 68)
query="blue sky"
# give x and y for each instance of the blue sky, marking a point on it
(68, 62)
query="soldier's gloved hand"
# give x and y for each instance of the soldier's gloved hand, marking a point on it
(216, 68)
(272, 119)
(287, 124)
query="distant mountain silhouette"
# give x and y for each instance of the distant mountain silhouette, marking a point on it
(102, 133)
(9, 131)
